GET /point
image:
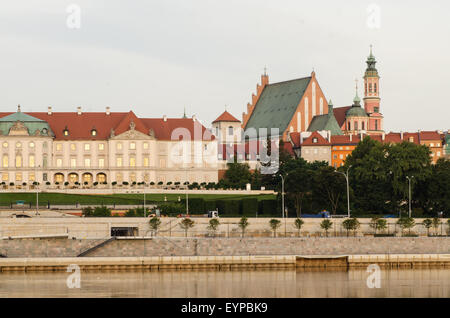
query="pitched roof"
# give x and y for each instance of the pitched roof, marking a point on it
(227, 117)
(32, 124)
(325, 122)
(277, 104)
(80, 126)
(345, 140)
(295, 139)
(339, 113)
(315, 139)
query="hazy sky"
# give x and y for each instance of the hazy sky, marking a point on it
(157, 57)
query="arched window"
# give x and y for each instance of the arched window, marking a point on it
(349, 126)
(230, 131)
(18, 161)
(370, 87)
(375, 87)
(356, 125)
(362, 125)
(5, 161)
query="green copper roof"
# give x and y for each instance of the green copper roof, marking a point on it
(356, 111)
(447, 144)
(371, 71)
(277, 105)
(31, 123)
(326, 122)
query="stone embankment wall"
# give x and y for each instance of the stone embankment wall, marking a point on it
(54, 247)
(99, 228)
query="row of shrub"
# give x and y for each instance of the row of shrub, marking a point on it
(249, 207)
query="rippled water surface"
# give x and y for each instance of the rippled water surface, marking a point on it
(285, 283)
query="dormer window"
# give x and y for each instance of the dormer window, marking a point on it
(315, 140)
(66, 131)
(411, 139)
(94, 132)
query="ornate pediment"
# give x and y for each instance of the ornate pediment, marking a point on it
(18, 129)
(132, 135)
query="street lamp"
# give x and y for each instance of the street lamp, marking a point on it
(409, 181)
(348, 189)
(282, 194)
(145, 214)
(37, 189)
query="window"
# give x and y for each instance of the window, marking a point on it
(5, 161)
(44, 177)
(431, 144)
(5, 145)
(87, 162)
(362, 125)
(230, 131)
(119, 177)
(411, 139)
(119, 146)
(18, 145)
(87, 147)
(59, 162)
(341, 156)
(315, 140)
(58, 147)
(132, 162)
(66, 132)
(349, 127)
(31, 162)
(5, 177)
(31, 177)
(132, 177)
(73, 147)
(438, 145)
(438, 153)
(101, 162)
(376, 109)
(119, 161)
(73, 162)
(44, 161)
(146, 162)
(94, 132)
(356, 125)
(18, 161)
(146, 145)
(101, 147)
(19, 176)
(375, 87)
(31, 145)
(370, 87)
(376, 121)
(132, 145)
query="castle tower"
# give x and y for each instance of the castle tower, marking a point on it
(372, 96)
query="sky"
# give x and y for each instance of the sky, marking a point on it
(159, 57)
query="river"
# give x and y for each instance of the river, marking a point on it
(258, 283)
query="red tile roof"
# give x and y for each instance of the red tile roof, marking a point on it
(80, 126)
(226, 116)
(321, 141)
(339, 113)
(295, 139)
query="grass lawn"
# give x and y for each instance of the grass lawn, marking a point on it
(61, 198)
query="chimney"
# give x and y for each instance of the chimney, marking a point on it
(194, 118)
(361, 136)
(329, 135)
(108, 110)
(401, 135)
(383, 136)
(49, 110)
(351, 137)
(79, 110)
(164, 117)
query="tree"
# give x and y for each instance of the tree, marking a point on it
(186, 224)
(329, 188)
(274, 225)
(351, 225)
(213, 226)
(448, 226)
(326, 225)
(87, 212)
(436, 223)
(237, 175)
(298, 176)
(298, 224)
(243, 224)
(155, 223)
(378, 224)
(102, 211)
(427, 223)
(406, 223)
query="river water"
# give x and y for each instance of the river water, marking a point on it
(227, 284)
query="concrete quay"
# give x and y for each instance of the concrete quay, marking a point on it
(304, 262)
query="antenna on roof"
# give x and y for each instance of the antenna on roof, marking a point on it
(184, 114)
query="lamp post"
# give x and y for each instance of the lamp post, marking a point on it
(409, 189)
(37, 189)
(348, 189)
(282, 195)
(145, 214)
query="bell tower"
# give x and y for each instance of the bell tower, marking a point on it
(372, 95)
